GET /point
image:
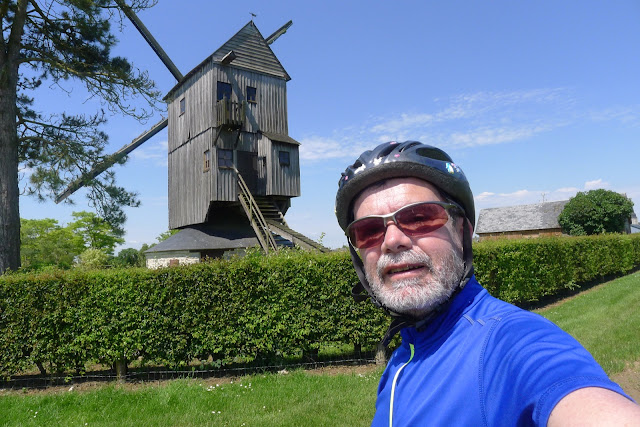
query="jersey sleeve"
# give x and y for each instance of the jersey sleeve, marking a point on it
(528, 365)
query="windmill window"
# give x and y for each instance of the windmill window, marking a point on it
(251, 94)
(207, 161)
(224, 91)
(283, 156)
(225, 158)
(183, 106)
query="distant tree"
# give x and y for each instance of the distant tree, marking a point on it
(128, 257)
(95, 232)
(92, 258)
(596, 212)
(164, 236)
(45, 243)
(52, 41)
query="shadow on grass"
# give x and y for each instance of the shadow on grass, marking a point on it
(136, 374)
(568, 293)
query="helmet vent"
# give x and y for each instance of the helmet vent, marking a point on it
(433, 153)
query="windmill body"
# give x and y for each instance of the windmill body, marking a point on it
(227, 122)
(233, 168)
(230, 115)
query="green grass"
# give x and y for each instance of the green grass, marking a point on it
(298, 398)
(605, 320)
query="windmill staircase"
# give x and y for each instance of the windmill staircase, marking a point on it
(268, 222)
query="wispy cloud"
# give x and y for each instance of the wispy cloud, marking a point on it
(464, 121)
(155, 153)
(531, 196)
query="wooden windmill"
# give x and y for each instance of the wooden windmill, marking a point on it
(233, 168)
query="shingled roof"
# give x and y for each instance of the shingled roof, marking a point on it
(251, 51)
(232, 235)
(540, 216)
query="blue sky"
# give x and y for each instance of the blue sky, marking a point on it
(534, 100)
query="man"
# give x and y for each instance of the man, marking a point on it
(466, 358)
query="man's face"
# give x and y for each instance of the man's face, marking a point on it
(410, 275)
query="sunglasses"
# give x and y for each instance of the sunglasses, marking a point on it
(414, 220)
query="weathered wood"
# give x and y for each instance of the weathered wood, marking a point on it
(258, 223)
(277, 33)
(146, 34)
(233, 123)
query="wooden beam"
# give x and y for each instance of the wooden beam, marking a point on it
(111, 160)
(150, 39)
(226, 60)
(277, 33)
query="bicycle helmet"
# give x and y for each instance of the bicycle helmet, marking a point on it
(397, 160)
(400, 159)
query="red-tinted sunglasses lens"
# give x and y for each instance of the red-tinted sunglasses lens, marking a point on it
(414, 220)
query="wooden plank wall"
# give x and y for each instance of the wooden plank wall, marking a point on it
(189, 185)
(268, 114)
(283, 180)
(190, 189)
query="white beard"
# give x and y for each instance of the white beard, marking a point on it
(420, 295)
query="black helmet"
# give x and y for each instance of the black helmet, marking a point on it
(397, 160)
(403, 159)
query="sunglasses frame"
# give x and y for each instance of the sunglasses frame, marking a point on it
(392, 217)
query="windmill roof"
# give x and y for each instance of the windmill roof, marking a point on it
(280, 137)
(540, 216)
(227, 235)
(252, 53)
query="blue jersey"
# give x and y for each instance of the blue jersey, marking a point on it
(483, 362)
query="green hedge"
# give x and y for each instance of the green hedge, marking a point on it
(251, 308)
(526, 270)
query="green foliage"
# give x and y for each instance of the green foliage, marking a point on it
(521, 271)
(45, 243)
(93, 258)
(96, 233)
(53, 42)
(596, 212)
(254, 308)
(128, 257)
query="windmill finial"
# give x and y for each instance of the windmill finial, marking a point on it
(253, 15)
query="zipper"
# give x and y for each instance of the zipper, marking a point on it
(393, 384)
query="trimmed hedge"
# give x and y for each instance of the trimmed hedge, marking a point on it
(251, 308)
(526, 270)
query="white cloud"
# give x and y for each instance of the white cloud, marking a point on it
(595, 184)
(155, 153)
(467, 120)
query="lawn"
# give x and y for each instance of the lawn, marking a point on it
(605, 319)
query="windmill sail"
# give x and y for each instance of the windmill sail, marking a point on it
(110, 161)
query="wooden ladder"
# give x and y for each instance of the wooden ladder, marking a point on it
(258, 223)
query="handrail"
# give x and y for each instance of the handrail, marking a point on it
(259, 224)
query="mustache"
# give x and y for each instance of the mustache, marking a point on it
(405, 257)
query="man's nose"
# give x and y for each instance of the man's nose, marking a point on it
(395, 240)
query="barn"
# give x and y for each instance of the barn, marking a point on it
(521, 221)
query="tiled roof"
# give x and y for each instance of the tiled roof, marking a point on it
(540, 216)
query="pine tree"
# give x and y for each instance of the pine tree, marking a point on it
(52, 41)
